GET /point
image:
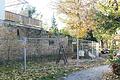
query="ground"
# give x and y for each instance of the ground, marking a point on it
(110, 76)
(46, 71)
(95, 73)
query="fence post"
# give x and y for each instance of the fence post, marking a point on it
(25, 40)
(92, 48)
(77, 52)
(97, 49)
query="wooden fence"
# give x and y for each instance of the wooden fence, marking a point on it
(10, 16)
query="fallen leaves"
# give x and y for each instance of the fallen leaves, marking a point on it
(110, 76)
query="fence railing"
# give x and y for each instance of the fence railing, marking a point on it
(22, 19)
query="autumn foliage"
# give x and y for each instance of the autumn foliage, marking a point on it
(79, 16)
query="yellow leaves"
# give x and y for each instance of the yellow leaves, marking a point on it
(78, 28)
(79, 32)
(79, 16)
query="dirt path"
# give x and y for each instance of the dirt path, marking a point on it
(89, 74)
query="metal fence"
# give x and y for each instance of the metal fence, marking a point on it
(42, 50)
(85, 49)
(11, 52)
(29, 51)
(90, 48)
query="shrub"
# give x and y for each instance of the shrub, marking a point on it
(114, 60)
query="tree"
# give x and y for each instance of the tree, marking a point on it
(54, 28)
(28, 11)
(64, 31)
(107, 18)
(31, 11)
(90, 36)
(79, 16)
(108, 14)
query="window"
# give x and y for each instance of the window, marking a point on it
(51, 42)
(18, 32)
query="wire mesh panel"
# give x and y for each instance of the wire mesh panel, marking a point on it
(90, 48)
(39, 48)
(11, 52)
(27, 52)
(43, 50)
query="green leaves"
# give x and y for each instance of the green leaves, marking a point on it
(107, 18)
(106, 21)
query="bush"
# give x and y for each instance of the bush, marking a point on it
(114, 60)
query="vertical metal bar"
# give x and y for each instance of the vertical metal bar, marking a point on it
(97, 49)
(92, 47)
(82, 46)
(25, 40)
(77, 52)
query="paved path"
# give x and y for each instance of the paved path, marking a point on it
(89, 74)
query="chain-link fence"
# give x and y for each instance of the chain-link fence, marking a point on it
(29, 51)
(11, 53)
(42, 50)
(90, 48)
(85, 48)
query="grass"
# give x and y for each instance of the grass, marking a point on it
(43, 71)
(47, 72)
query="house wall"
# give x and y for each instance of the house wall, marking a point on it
(42, 46)
(31, 33)
(37, 46)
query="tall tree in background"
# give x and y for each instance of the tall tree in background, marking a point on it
(54, 28)
(65, 31)
(28, 11)
(31, 11)
(79, 16)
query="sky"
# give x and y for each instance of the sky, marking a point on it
(2, 9)
(45, 7)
